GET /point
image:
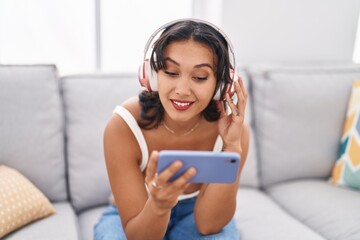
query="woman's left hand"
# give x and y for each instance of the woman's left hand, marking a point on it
(231, 126)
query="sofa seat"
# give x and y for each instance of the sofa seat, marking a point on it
(333, 211)
(59, 226)
(87, 221)
(267, 220)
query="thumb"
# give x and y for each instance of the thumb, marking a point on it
(152, 165)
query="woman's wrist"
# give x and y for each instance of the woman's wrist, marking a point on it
(232, 148)
(160, 212)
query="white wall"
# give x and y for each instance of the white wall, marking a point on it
(83, 36)
(42, 31)
(291, 31)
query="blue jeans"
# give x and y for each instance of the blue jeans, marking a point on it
(181, 225)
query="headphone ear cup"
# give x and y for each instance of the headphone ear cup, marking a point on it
(142, 76)
(147, 77)
(152, 77)
(229, 88)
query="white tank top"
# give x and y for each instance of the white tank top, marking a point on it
(133, 125)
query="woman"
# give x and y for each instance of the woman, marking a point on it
(189, 65)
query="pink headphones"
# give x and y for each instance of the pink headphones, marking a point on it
(148, 77)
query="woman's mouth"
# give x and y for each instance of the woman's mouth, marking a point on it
(181, 105)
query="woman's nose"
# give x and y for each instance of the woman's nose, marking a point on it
(183, 86)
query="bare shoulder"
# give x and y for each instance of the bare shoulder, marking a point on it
(118, 135)
(133, 106)
(116, 124)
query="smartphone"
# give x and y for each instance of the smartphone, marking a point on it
(211, 167)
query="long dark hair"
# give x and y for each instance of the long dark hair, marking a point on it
(152, 111)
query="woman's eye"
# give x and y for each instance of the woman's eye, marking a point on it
(172, 74)
(200, 78)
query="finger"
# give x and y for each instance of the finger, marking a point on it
(231, 104)
(165, 175)
(238, 89)
(244, 94)
(155, 184)
(239, 108)
(242, 86)
(151, 167)
(239, 95)
(242, 98)
(183, 181)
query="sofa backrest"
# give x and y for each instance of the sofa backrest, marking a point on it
(89, 101)
(31, 126)
(298, 116)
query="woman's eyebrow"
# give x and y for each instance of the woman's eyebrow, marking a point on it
(196, 66)
(173, 61)
(204, 65)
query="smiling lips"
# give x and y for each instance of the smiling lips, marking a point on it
(181, 105)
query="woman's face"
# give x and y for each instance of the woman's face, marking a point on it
(188, 83)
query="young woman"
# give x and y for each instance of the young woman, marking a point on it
(190, 63)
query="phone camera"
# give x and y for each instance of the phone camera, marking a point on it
(233, 160)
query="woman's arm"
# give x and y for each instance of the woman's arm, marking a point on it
(143, 215)
(216, 203)
(139, 217)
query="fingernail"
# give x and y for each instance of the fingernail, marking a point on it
(192, 171)
(178, 164)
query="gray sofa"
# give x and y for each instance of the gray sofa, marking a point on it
(51, 131)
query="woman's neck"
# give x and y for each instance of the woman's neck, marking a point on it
(181, 129)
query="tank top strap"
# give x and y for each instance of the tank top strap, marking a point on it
(133, 125)
(218, 144)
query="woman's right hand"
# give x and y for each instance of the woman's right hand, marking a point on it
(165, 194)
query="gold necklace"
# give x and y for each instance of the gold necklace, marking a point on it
(184, 134)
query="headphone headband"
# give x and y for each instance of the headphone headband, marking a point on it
(163, 27)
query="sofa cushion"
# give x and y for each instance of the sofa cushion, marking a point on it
(299, 113)
(31, 126)
(332, 211)
(60, 226)
(257, 216)
(347, 168)
(89, 102)
(87, 221)
(20, 201)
